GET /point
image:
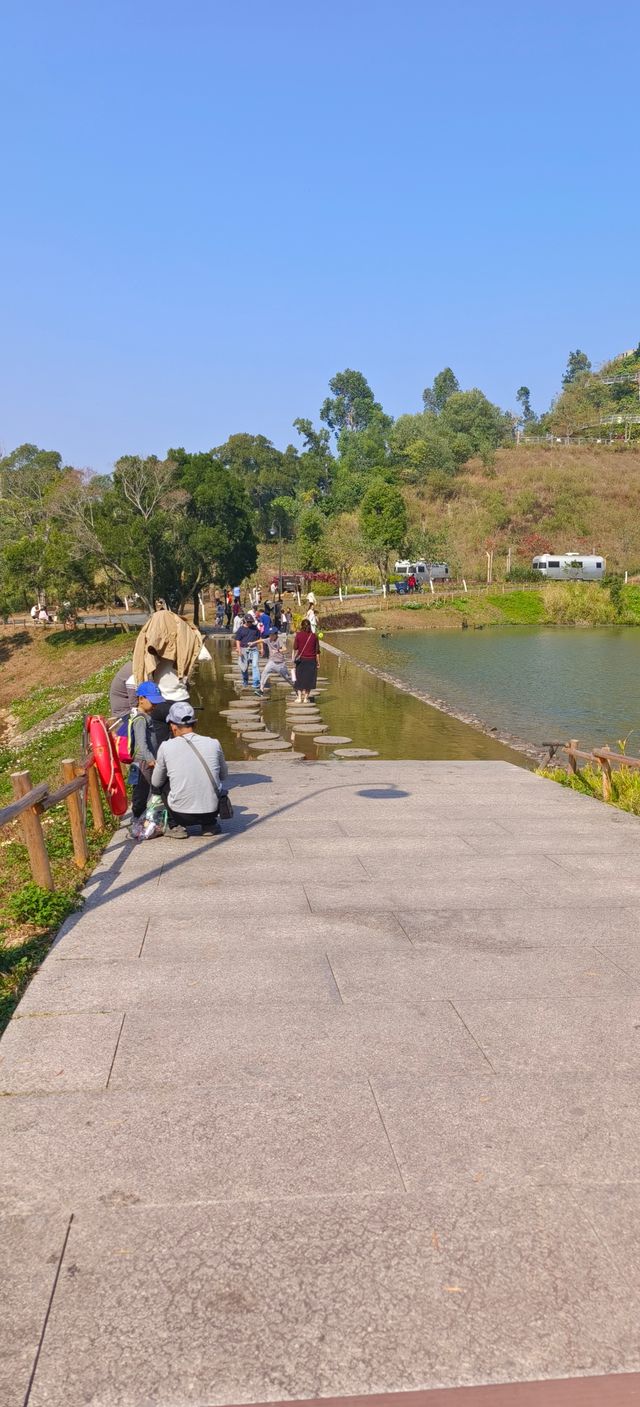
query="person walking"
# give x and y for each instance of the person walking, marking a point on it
(277, 661)
(228, 609)
(313, 619)
(306, 648)
(195, 770)
(263, 621)
(248, 647)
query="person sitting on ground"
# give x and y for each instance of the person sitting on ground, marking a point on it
(195, 771)
(277, 661)
(144, 746)
(306, 648)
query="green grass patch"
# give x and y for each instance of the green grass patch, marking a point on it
(30, 916)
(63, 639)
(519, 607)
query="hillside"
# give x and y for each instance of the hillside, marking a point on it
(535, 499)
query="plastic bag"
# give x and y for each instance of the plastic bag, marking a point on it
(155, 818)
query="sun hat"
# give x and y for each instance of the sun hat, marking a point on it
(181, 714)
(149, 691)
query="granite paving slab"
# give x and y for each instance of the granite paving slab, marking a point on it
(439, 971)
(205, 939)
(30, 1252)
(82, 986)
(519, 1130)
(497, 930)
(399, 1292)
(574, 1034)
(283, 1041)
(59, 1052)
(208, 1144)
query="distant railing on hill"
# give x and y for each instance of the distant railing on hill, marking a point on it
(30, 802)
(603, 757)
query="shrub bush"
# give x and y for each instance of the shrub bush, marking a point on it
(347, 620)
(43, 907)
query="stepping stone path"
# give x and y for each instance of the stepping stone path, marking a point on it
(355, 751)
(270, 746)
(332, 739)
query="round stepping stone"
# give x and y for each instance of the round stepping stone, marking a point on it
(276, 745)
(332, 739)
(255, 736)
(356, 752)
(307, 727)
(273, 757)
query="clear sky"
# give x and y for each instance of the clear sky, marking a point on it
(209, 208)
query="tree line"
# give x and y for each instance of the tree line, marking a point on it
(167, 527)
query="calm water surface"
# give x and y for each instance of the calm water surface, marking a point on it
(536, 683)
(354, 704)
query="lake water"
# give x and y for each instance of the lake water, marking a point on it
(536, 683)
(355, 704)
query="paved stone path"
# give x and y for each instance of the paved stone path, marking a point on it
(343, 1102)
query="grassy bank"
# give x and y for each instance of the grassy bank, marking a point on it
(29, 917)
(625, 785)
(573, 603)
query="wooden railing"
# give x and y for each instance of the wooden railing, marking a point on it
(31, 802)
(603, 757)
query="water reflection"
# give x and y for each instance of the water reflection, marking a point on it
(368, 710)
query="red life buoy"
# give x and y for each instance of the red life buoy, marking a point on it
(107, 763)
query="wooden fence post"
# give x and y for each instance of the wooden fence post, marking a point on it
(95, 799)
(32, 833)
(76, 818)
(605, 766)
(573, 765)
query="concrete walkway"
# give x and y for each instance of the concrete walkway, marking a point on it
(344, 1102)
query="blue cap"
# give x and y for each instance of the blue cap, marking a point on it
(149, 691)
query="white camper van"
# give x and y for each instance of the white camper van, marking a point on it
(570, 566)
(423, 571)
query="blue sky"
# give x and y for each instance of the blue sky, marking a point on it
(210, 208)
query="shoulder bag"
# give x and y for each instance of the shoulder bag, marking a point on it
(225, 809)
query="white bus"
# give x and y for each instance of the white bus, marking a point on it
(423, 571)
(570, 566)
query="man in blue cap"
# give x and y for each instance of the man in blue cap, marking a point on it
(144, 746)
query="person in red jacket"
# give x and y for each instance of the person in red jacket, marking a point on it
(306, 648)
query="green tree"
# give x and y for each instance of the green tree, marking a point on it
(344, 545)
(352, 405)
(310, 539)
(445, 384)
(265, 472)
(523, 397)
(212, 537)
(577, 364)
(383, 523)
(316, 463)
(469, 413)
